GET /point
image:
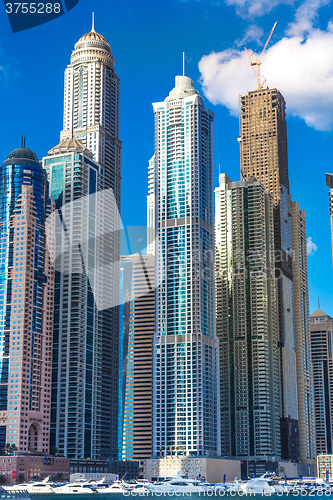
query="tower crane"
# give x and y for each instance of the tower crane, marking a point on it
(257, 62)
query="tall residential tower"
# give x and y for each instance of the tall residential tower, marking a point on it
(84, 176)
(263, 143)
(246, 322)
(321, 325)
(305, 398)
(185, 347)
(26, 304)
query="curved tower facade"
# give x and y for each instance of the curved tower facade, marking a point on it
(185, 372)
(91, 105)
(26, 304)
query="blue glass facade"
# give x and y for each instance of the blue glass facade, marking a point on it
(185, 412)
(26, 288)
(83, 382)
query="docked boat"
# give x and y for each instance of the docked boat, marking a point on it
(9, 493)
(76, 488)
(116, 487)
(33, 487)
(179, 485)
(263, 485)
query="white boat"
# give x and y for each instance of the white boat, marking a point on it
(78, 487)
(179, 484)
(262, 485)
(139, 488)
(33, 487)
(116, 487)
(9, 493)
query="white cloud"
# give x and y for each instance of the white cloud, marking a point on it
(300, 65)
(253, 33)
(305, 16)
(255, 8)
(311, 246)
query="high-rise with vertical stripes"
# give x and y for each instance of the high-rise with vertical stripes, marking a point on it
(185, 346)
(84, 177)
(246, 322)
(264, 155)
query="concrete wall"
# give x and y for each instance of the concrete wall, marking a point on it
(212, 469)
(296, 469)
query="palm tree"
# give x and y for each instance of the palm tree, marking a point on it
(13, 448)
(6, 448)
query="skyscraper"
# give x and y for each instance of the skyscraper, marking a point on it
(302, 335)
(263, 145)
(26, 304)
(84, 175)
(185, 347)
(321, 325)
(246, 324)
(138, 331)
(329, 182)
(151, 207)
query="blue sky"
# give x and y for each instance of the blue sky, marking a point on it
(147, 40)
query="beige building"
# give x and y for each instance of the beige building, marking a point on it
(321, 325)
(24, 468)
(306, 427)
(138, 331)
(264, 155)
(213, 469)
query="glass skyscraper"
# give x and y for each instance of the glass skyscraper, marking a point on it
(26, 304)
(84, 176)
(185, 347)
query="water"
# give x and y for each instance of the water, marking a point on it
(194, 496)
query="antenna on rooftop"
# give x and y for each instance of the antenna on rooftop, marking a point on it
(257, 62)
(183, 63)
(93, 22)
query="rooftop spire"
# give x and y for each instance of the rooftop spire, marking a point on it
(93, 22)
(183, 63)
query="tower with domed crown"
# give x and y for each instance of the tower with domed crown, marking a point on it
(84, 178)
(91, 104)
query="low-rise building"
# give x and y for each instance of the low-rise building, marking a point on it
(20, 469)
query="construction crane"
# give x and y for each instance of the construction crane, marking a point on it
(257, 62)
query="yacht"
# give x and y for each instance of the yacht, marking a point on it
(263, 485)
(179, 484)
(9, 493)
(33, 487)
(78, 487)
(116, 487)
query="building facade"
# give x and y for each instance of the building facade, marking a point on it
(151, 208)
(321, 326)
(329, 182)
(306, 423)
(26, 304)
(86, 165)
(185, 347)
(138, 332)
(246, 324)
(264, 155)
(84, 421)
